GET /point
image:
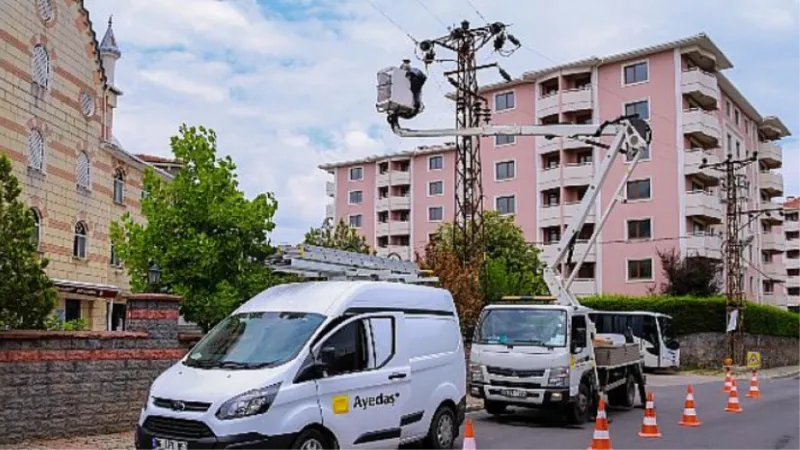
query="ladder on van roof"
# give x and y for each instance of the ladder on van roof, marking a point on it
(310, 261)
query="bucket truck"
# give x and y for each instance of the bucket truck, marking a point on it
(543, 352)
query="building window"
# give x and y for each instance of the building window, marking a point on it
(641, 108)
(435, 213)
(636, 73)
(87, 104)
(738, 149)
(640, 269)
(736, 117)
(356, 173)
(436, 188)
(552, 197)
(504, 101)
(728, 108)
(83, 171)
(435, 163)
(640, 229)
(79, 242)
(355, 221)
(356, 197)
(45, 10)
(36, 150)
(40, 66)
(638, 190)
(502, 139)
(72, 310)
(505, 170)
(505, 204)
(36, 234)
(119, 186)
(114, 258)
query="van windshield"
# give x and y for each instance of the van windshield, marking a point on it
(523, 326)
(254, 340)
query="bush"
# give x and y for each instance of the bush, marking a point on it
(702, 315)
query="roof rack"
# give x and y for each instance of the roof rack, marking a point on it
(310, 261)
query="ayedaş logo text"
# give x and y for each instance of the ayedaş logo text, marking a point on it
(378, 400)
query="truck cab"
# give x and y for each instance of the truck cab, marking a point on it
(533, 353)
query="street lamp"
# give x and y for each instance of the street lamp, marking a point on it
(153, 276)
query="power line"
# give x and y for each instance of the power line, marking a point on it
(435, 16)
(476, 11)
(392, 21)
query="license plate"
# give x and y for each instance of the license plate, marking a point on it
(516, 393)
(169, 444)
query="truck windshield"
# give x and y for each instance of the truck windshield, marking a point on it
(523, 326)
(254, 340)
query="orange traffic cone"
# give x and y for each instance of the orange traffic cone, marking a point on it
(728, 379)
(601, 440)
(469, 436)
(733, 405)
(649, 425)
(689, 418)
(753, 392)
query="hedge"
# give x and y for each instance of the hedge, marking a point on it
(702, 315)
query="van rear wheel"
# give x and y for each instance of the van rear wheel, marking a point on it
(311, 439)
(443, 430)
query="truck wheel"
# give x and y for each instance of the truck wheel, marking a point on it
(624, 395)
(443, 430)
(494, 408)
(578, 411)
(311, 439)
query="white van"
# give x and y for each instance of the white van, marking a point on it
(317, 365)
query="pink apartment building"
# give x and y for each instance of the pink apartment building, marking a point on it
(791, 209)
(398, 200)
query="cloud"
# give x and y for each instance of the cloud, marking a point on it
(290, 84)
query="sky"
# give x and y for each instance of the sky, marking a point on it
(290, 84)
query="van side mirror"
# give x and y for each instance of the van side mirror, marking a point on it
(326, 356)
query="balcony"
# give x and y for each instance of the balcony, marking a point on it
(774, 270)
(549, 216)
(547, 105)
(702, 125)
(770, 154)
(701, 86)
(771, 183)
(329, 211)
(330, 188)
(582, 247)
(399, 227)
(584, 287)
(772, 218)
(793, 281)
(404, 251)
(544, 145)
(791, 226)
(549, 178)
(393, 177)
(773, 242)
(578, 174)
(704, 245)
(574, 144)
(571, 210)
(773, 298)
(704, 204)
(576, 99)
(693, 159)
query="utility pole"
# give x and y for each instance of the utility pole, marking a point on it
(732, 182)
(471, 110)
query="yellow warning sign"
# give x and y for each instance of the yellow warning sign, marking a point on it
(341, 404)
(753, 360)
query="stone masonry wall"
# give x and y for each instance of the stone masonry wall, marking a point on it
(708, 350)
(61, 384)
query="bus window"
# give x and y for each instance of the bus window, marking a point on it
(650, 333)
(667, 334)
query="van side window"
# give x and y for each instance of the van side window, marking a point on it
(381, 337)
(350, 351)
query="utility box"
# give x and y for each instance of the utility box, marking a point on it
(394, 92)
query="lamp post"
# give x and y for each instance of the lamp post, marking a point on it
(153, 277)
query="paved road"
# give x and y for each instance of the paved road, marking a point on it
(770, 422)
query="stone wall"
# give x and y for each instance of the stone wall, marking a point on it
(60, 384)
(708, 350)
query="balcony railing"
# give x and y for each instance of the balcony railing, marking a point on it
(771, 154)
(394, 177)
(544, 145)
(774, 270)
(701, 86)
(704, 245)
(702, 125)
(704, 204)
(329, 211)
(330, 189)
(576, 99)
(548, 178)
(578, 173)
(571, 210)
(771, 182)
(693, 162)
(549, 216)
(791, 226)
(547, 105)
(584, 287)
(773, 242)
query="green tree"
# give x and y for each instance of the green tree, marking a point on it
(692, 275)
(210, 242)
(27, 296)
(341, 237)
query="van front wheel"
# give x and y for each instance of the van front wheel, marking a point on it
(311, 439)
(443, 430)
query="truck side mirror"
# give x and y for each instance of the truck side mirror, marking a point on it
(578, 340)
(469, 333)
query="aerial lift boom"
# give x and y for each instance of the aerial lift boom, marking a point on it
(400, 97)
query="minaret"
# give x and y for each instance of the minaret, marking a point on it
(109, 53)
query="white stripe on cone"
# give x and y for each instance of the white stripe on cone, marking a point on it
(690, 412)
(601, 434)
(650, 421)
(649, 405)
(690, 397)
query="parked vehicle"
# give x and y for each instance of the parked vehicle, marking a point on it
(650, 330)
(335, 364)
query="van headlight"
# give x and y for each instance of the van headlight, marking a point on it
(476, 373)
(559, 376)
(250, 403)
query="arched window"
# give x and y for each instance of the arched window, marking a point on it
(40, 66)
(119, 186)
(83, 170)
(79, 243)
(36, 150)
(37, 227)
